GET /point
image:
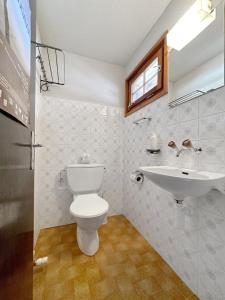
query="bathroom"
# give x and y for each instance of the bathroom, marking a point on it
(112, 153)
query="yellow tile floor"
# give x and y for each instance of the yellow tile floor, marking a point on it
(125, 267)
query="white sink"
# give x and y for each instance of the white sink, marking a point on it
(183, 182)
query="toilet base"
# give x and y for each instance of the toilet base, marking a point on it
(88, 241)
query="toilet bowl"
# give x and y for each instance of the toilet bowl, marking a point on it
(88, 209)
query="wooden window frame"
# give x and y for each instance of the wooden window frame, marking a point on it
(155, 93)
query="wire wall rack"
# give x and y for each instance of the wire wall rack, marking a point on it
(52, 66)
(186, 98)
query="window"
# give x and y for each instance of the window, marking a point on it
(148, 81)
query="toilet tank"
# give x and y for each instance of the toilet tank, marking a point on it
(85, 178)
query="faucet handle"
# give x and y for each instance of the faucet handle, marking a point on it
(187, 143)
(172, 144)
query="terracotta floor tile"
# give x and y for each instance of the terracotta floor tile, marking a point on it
(150, 269)
(93, 274)
(126, 267)
(82, 291)
(131, 271)
(71, 297)
(38, 292)
(70, 272)
(104, 288)
(135, 257)
(131, 295)
(53, 291)
(172, 295)
(114, 296)
(125, 283)
(147, 287)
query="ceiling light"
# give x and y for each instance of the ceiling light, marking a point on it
(195, 20)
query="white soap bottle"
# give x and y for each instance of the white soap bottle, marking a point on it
(154, 142)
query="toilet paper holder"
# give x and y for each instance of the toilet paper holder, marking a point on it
(137, 177)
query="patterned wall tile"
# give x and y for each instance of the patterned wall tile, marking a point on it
(211, 286)
(188, 111)
(186, 130)
(212, 103)
(67, 129)
(213, 152)
(212, 127)
(196, 251)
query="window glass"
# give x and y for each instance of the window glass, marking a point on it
(146, 81)
(152, 70)
(137, 83)
(136, 95)
(151, 84)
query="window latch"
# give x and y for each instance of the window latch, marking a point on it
(159, 67)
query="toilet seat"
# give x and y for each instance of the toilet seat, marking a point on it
(88, 206)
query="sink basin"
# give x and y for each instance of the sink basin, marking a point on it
(184, 182)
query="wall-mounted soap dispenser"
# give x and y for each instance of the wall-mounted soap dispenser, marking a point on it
(154, 145)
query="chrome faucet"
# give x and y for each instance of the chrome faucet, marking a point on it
(173, 145)
(187, 145)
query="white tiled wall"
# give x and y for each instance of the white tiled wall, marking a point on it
(67, 128)
(197, 253)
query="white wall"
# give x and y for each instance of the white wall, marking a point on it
(197, 252)
(92, 81)
(207, 76)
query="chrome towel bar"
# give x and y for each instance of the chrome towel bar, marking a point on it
(142, 120)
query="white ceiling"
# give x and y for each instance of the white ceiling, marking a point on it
(107, 30)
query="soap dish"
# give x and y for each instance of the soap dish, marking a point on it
(150, 151)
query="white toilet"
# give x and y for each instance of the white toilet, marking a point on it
(88, 208)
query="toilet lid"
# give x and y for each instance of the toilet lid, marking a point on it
(88, 205)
